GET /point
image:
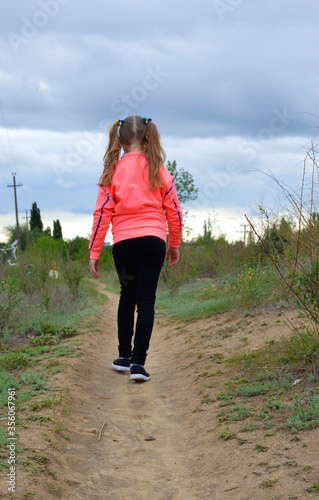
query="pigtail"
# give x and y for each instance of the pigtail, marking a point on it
(154, 153)
(112, 154)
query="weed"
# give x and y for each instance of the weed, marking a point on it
(244, 340)
(59, 427)
(268, 424)
(261, 448)
(6, 381)
(242, 440)
(301, 346)
(37, 418)
(41, 459)
(234, 414)
(279, 385)
(269, 342)
(291, 463)
(226, 331)
(226, 435)
(251, 427)
(206, 335)
(273, 404)
(3, 438)
(36, 379)
(10, 297)
(217, 357)
(46, 403)
(64, 350)
(44, 339)
(226, 403)
(53, 362)
(313, 488)
(13, 360)
(307, 467)
(206, 399)
(304, 412)
(24, 396)
(255, 284)
(206, 374)
(35, 351)
(268, 483)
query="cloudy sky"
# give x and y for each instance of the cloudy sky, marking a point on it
(231, 84)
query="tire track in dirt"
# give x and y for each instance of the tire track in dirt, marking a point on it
(123, 465)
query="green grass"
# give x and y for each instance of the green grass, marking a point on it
(6, 381)
(193, 301)
(37, 380)
(61, 320)
(12, 360)
(304, 412)
(49, 402)
(64, 350)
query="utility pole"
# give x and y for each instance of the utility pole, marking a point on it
(244, 231)
(14, 185)
(27, 224)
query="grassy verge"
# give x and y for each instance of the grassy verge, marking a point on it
(36, 352)
(196, 300)
(202, 298)
(272, 388)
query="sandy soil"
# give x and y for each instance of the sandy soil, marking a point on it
(160, 440)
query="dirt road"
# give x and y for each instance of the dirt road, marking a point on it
(144, 451)
(160, 440)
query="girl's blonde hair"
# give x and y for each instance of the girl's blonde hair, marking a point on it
(124, 133)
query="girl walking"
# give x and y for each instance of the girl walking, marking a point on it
(137, 195)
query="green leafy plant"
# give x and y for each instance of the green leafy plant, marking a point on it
(304, 412)
(10, 297)
(313, 488)
(254, 284)
(226, 435)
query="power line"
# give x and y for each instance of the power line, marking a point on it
(14, 185)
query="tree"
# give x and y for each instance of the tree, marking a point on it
(279, 236)
(36, 224)
(57, 230)
(184, 183)
(47, 231)
(11, 233)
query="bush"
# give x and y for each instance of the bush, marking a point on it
(10, 297)
(255, 285)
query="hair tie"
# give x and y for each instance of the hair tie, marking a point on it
(147, 120)
(119, 122)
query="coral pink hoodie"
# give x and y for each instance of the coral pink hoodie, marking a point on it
(132, 209)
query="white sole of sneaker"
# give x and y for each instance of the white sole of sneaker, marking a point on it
(139, 377)
(121, 368)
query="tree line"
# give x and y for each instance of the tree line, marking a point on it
(33, 228)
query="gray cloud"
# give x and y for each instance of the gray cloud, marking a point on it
(227, 82)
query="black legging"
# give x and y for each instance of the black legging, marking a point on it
(138, 262)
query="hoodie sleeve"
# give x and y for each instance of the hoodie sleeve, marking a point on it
(173, 212)
(101, 221)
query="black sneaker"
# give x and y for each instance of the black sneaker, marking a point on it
(139, 373)
(121, 364)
